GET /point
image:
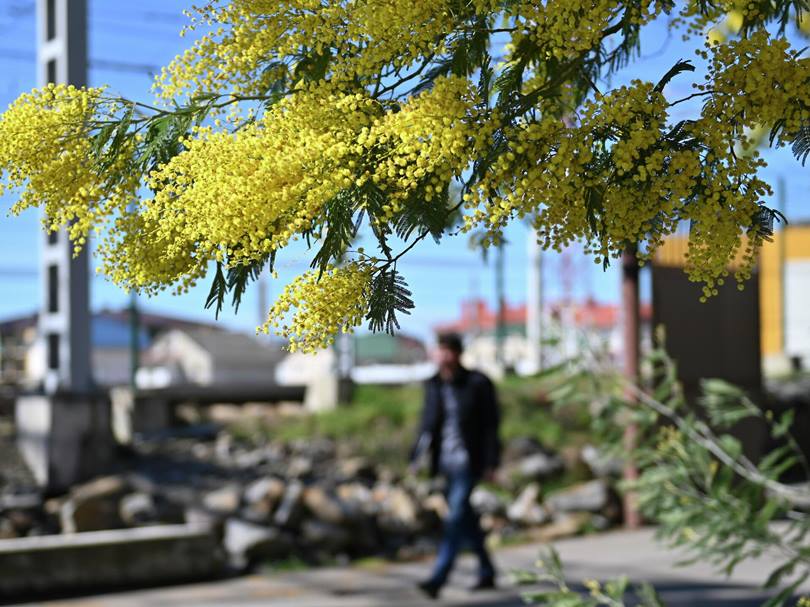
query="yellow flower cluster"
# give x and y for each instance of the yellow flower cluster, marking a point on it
(636, 188)
(613, 172)
(754, 81)
(144, 254)
(552, 172)
(246, 37)
(565, 28)
(431, 140)
(239, 196)
(751, 82)
(317, 306)
(44, 149)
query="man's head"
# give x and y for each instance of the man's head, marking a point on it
(449, 353)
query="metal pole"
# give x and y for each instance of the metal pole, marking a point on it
(134, 341)
(534, 304)
(631, 324)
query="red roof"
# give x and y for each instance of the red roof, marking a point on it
(477, 316)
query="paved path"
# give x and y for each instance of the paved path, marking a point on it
(391, 585)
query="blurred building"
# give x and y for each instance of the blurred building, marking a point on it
(778, 296)
(206, 356)
(567, 327)
(22, 351)
(377, 358)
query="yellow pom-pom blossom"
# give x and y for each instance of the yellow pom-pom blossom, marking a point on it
(639, 187)
(243, 195)
(44, 149)
(246, 42)
(431, 140)
(317, 306)
(326, 112)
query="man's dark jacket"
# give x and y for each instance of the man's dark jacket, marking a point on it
(479, 418)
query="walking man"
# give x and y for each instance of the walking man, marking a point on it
(459, 436)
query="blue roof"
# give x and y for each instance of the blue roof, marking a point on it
(113, 333)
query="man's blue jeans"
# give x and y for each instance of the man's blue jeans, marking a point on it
(461, 526)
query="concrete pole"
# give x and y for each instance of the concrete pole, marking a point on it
(64, 319)
(64, 434)
(631, 338)
(534, 304)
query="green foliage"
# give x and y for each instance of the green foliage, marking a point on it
(381, 421)
(695, 480)
(557, 593)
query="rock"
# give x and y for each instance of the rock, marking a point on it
(53, 505)
(22, 520)
(432, 513)
(485, 501)
(93, 506)
(539, 466)
(247, 542)
(564, 525)
(323, 506)
(600, 464)
(7, 530)
(437, 504)
(137, 509)
(325, 536)
(357, 500)
(521, 447)
(247, 460)
(261, 498)
(197, 517)
(526, 510)
(592, 496)
(291, 509)
(300, 467)
(356, 468)
(224, 501)
(398, 511)
(223, 447)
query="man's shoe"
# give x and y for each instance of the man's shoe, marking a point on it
(487, 583)
(429, 588)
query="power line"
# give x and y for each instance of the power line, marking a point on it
(109, 65)
(150, 15)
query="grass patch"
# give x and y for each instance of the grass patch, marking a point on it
(381, 422)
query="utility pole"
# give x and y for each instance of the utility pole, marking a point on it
(64, 319)
(134, 341)
(631, 339)
(782, 202)
(534, 304)
(500, 323)
(262, 303)
(64, 431)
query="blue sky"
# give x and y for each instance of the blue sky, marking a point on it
(145, 33)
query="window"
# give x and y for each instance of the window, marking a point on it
(51, 68)
(53, 237)
(50, 20)
(53, 288)
(53, 351)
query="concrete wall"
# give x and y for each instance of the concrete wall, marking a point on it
(64, 439)
(99, 559)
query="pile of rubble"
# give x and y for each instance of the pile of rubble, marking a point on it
(315, 501)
